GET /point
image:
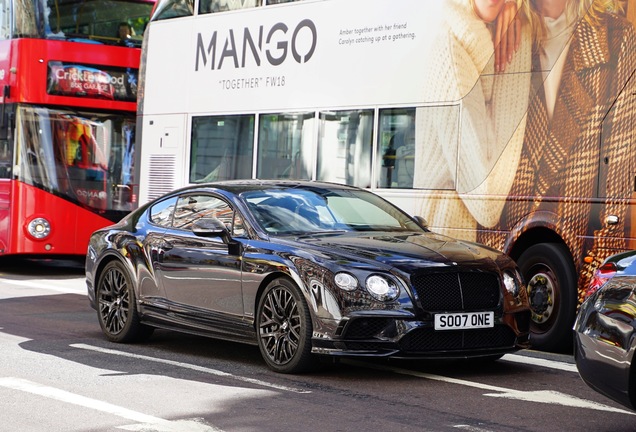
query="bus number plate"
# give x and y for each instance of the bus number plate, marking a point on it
(466, 320)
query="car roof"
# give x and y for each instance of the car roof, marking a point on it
(240, 186)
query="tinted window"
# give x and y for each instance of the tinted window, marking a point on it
(221, 148)
(344, 147)
(315, 210)
(285, 145)
(6, 158)
(161, 212)
(173, 9)
(193, 207)
(210, 6)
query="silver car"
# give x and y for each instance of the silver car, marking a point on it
(605, 329)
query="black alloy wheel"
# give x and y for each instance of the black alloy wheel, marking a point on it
(116, 309)
(284, 328)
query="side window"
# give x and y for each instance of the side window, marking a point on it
(167, 9)
(211, 6)
(221, 148)
(161, 212)
(397, 148)
(344, 147)
(193, 207)
(239, 226)
(5, 19)
(6, 158)
(285, 146)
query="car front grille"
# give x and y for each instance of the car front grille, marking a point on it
(364, 328)
(427, 339)
(452, 291)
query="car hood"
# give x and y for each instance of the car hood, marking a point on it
(406, 251)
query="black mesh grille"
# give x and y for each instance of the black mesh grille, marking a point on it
(427, 339)
(366, 328)
(467, 291)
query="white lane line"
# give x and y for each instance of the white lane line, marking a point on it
(214, 372)
(44, 284)
(540, 396)
(470, 428)
(146, 421)
(552, 364)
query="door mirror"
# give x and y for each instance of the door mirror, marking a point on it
(421, 222)
(211, 227)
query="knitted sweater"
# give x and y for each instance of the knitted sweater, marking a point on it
(470, 140)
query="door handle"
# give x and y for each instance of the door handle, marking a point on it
(166, 246)
(611, 220)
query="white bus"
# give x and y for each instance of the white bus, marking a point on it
(406, 98)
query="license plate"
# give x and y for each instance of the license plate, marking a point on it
(466, 320)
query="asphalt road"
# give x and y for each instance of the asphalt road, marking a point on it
(57, 373)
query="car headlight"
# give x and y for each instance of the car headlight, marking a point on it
(39, 228)
(346, 282)
(512, 283)
(382, 288)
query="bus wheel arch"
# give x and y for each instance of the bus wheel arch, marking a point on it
(552, 283)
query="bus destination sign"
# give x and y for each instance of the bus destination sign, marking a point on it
(79, 80)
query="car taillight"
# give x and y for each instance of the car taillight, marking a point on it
(601, 276)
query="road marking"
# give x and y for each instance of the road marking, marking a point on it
(192, 367)
(552, 364)
(49, 284)
(470, 428)
(146, 422)
(540, 396)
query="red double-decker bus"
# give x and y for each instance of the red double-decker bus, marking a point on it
(68, 89)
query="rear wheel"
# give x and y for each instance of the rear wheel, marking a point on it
(284, 328)
(552, 285)
(116, 306)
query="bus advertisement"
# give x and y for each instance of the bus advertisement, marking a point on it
(68, 89)
(526, 145)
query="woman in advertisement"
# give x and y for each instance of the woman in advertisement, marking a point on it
(457, 153)
(584, 49)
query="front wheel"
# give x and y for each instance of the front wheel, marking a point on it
(552, 285)
(284, 328)
(116, 308)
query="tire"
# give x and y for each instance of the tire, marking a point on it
(283, 326)
(116, 306)
(552, 291)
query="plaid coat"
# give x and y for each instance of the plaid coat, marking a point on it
(590, 135)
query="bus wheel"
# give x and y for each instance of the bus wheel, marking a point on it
(116, 309)
(551, 283)
(284, 329)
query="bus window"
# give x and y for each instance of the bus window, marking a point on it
(221, 148)
(271, 2)
(396, 145)
(344, 147)
(6, 158)
(88, 21)
(285, 145)
(83, 159)
(5, 19)
(211, 6)
(167, 9)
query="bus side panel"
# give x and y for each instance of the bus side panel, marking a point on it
(163, 138)
(5, 215)
(71, 225)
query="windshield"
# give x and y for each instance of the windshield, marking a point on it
(82, 157)
(313, 211)
(114, 22)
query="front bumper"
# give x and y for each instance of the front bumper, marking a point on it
(399, 338)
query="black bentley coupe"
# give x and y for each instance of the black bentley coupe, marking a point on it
(303, 270)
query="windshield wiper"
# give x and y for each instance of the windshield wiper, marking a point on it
(319, 233)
